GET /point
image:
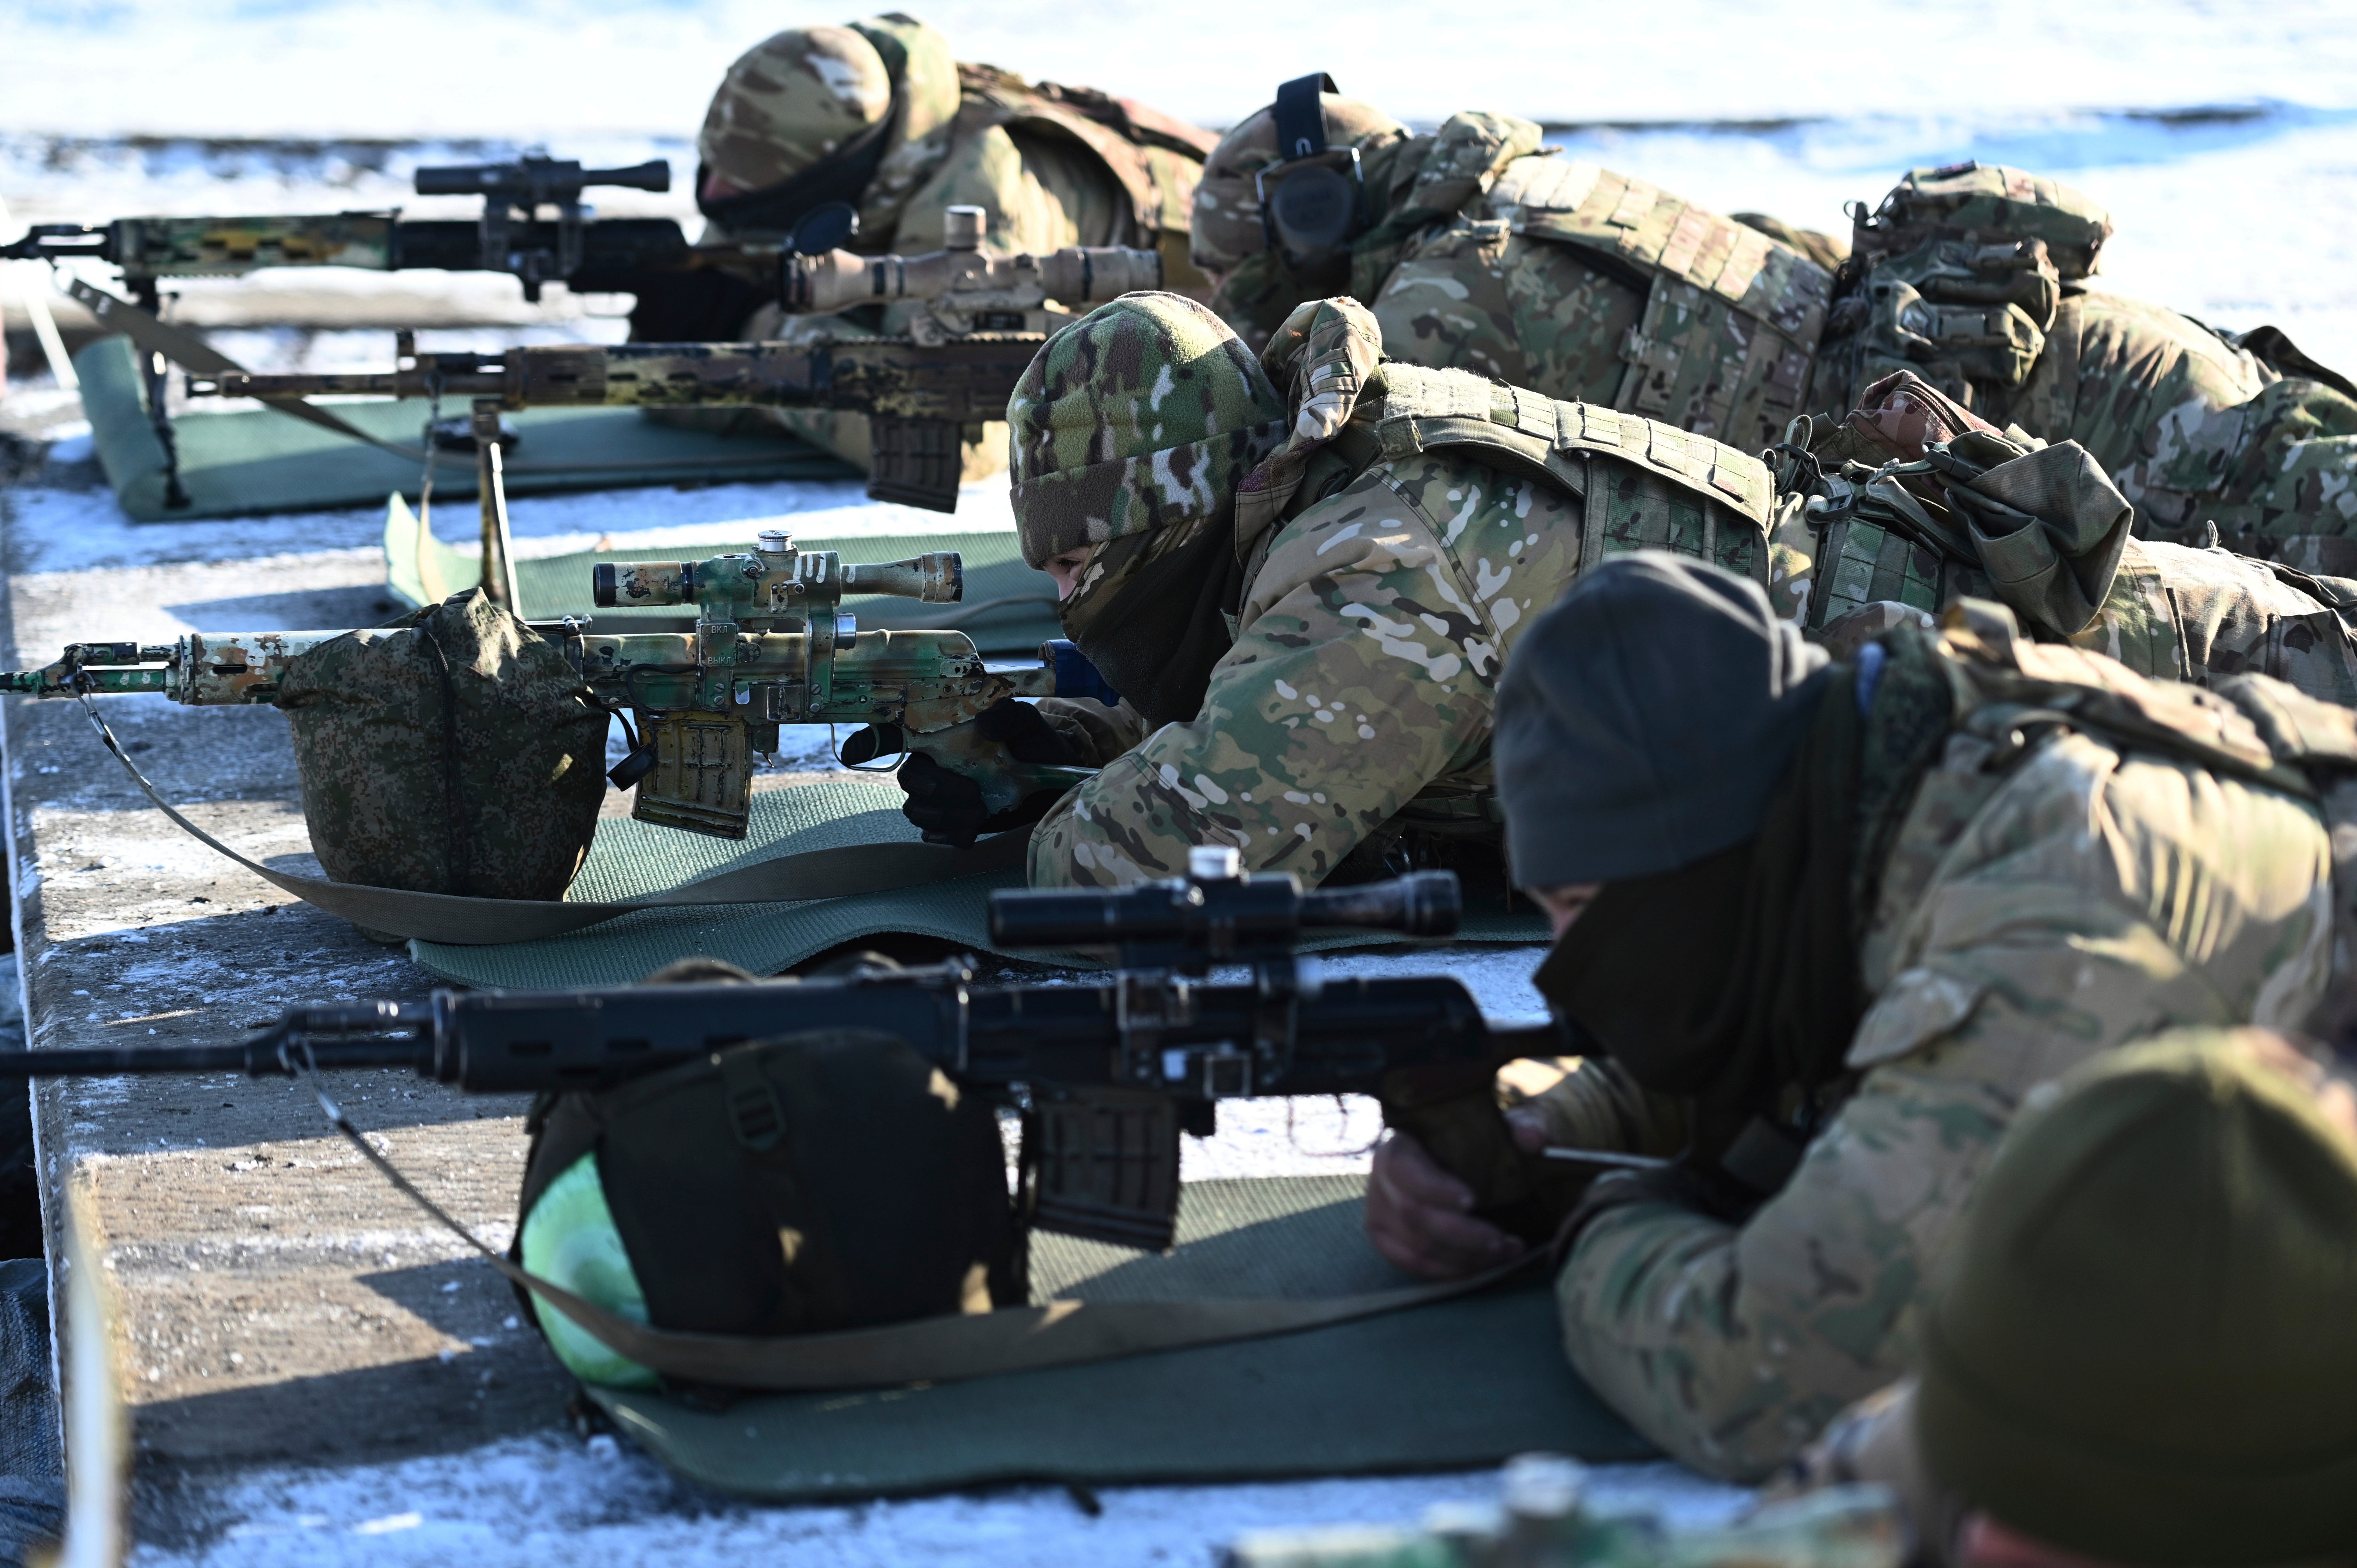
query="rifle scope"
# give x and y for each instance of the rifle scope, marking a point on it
(1223, 919)
(547, 179)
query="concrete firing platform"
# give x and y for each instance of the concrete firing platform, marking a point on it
(313, 1368)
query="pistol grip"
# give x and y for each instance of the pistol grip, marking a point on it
(1523, 1193)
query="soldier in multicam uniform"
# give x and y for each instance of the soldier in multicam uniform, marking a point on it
(1975, 277)
(1307, 599)
(880, 115)
(1477, 250)
(1825, 927)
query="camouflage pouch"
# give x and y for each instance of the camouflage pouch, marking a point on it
(458, 754)
(1983, 204)
(823, 1181)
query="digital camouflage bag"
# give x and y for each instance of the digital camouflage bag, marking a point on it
(457, 754)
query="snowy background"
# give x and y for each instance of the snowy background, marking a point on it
(2223, 137)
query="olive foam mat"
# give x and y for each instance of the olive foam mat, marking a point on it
(260, 460)
(1454, 1384)
(631, 858)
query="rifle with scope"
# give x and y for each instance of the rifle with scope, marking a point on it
(773, 645)
(982, 319)
(1111, 1070)
(977, 320)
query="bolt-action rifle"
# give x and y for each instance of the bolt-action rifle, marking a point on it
(981, 320)
(773, 645)
(1110, 1072)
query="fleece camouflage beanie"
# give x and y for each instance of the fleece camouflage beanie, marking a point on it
(1146, 412)
(2139, 1351)
(1226, 227)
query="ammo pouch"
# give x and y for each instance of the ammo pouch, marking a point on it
(458, 754)
(1956, 276)
(818, 1182)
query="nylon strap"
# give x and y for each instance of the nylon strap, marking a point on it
(157, 337)
(1299, 118)
(488, 922)
(934, 1349)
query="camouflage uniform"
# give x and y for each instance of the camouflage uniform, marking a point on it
(1486, 253)
(1859, 555)
(2044, 900)
(1977, 277)
(1395, 547)
(1049, 166)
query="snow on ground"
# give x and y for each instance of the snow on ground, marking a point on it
(2224, 138)
(533, 1501)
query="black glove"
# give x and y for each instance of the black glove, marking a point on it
(948, 806)
(1026, 733)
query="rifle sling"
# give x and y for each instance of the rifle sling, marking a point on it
(939, 1349)
(155, 335)
(833, 873)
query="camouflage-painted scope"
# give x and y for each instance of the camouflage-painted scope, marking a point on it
(771, 582)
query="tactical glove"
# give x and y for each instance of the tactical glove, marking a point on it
(946, 804)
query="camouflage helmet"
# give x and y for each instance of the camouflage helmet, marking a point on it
(1227, 225)
(790, 100)
(802, 96)
(1145, 413)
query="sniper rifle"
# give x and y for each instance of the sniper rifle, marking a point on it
(1108, 1072)
(979, 317)
(773, 645)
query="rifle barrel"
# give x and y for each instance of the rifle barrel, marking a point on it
(256, 1057)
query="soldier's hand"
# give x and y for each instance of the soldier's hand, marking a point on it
(1420, 1218)
(1024, 732)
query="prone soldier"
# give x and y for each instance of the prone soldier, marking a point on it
(1305, 598)
(2062, 1414)
(1823, 927)
(1478, 249)
(879, 115)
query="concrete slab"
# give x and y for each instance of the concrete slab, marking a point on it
(298, 1344)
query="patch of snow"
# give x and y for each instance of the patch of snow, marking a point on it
(530, 1501)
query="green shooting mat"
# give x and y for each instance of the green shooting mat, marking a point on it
(1007, 607)
(631, 858)
(1458, 1383)
(264, 461)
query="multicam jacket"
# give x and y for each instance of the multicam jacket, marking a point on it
(2049, 894)
(1376, 620)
